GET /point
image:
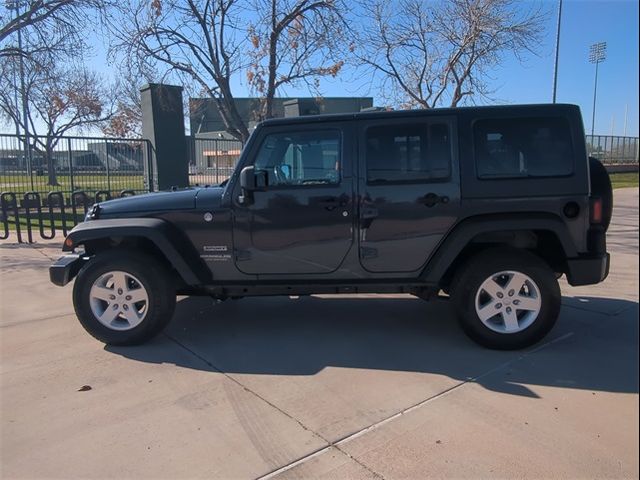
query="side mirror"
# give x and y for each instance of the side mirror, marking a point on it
(251, 180)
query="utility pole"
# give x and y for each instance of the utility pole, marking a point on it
(555, 65)
(23, 94)
(597, 55)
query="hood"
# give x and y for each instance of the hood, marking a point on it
(150, 202)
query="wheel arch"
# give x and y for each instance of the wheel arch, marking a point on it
(545, 235)
(153, 236)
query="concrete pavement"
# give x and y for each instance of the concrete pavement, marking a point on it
(319, 387)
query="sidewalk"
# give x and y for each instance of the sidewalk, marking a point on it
(351, 387)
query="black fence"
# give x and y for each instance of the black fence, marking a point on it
(47, 186)
(32, 214)
(613, 150)
(69, 164)
(211, 160)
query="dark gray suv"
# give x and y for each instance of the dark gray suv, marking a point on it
(487, 206)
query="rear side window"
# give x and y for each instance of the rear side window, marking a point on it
(416, 152)
(529, 147)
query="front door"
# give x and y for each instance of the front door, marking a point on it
(410, 190)
(302, 223)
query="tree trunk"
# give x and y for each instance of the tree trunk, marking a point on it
(230, 116)
(267, 110)
(51, 168)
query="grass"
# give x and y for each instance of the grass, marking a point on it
(624, 179)
(89, 182)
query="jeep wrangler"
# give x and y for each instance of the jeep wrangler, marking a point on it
(486, 206)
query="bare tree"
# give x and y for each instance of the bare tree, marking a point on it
(196, 41)
(427, 54)
(294, 41)
(52, 26)
(61, 100)
(207, 43)
(126, 121)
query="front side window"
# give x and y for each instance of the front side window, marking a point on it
(529, 147)
(416, 152)
(301, 158)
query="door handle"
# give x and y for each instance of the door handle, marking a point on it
(331, 203)
(431, 199)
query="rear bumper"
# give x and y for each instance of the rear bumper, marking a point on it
(588, 270)
(65, 268)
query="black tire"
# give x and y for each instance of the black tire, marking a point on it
(153, 277)
(601, 187)
(488, 263)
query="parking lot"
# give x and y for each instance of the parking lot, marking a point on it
(368, 386)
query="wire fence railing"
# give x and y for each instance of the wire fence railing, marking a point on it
(613, 150)
(211, 160)
(69, 164)
(47, 186)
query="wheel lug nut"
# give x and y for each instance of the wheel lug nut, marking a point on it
(126, 307)
(508, 309)
(115, 306)
(498, 305)
(516, 302)
(128, 297)
(500, 295)
(511, 292)
(112, 297)
(119, 291)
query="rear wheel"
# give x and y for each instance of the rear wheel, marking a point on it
(123, 297)
(506, 299)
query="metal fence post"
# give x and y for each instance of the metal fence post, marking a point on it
(150, 177)
(106, 156)
(70, 158)
(217, 157)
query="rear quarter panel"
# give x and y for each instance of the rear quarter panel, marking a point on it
(526, 195)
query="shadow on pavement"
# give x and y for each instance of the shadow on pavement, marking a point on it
(597, 348)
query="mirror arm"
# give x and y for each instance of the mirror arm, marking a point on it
(245, 198)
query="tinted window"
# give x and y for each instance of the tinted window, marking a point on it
(303, 158)
(534, 147)
(408, 153)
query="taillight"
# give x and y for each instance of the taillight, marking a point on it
(596, 210)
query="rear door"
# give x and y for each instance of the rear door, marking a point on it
(409, 190)
(303, 222)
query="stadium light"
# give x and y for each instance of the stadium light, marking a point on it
(597, 55)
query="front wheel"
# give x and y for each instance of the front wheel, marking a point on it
(506, 299)
(122, 297)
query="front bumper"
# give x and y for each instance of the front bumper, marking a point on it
(65, 268)
(588, 270)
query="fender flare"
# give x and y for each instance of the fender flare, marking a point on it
(465, 231)
(176, 248)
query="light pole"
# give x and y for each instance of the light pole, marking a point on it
(555, 65)
(15, 5)
(597, 54)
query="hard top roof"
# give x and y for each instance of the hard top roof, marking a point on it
(375, 115)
